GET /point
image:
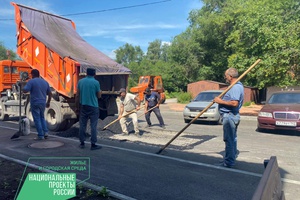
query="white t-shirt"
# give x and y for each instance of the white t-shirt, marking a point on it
(128, 102)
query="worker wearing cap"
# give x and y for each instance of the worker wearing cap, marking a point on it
(129, 103)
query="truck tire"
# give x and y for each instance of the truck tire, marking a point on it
(70, 123)
(3, 117)
(54, 117)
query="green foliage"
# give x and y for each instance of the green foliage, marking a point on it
(247, 104)
(104, 192)
(89, 192)
(167, 94)
(222, 34)
(174, 94)
(3, 52)
(154, 51)
(128, 54)
(186, 57)
(184, 97)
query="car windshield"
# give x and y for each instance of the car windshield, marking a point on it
(206, 96)
(285, 98)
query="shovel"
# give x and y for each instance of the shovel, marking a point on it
(19, 133)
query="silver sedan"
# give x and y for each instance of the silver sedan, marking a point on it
(202, 100)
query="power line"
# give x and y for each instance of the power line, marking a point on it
(106, 10)
(120, 8)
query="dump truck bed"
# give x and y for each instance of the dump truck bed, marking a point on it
(51, 44)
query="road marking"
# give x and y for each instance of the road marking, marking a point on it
(176, 159)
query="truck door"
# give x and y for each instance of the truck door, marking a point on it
(158, 83)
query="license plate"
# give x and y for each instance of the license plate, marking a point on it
(282, 123)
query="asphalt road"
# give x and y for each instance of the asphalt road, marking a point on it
(184, 170)
(254, 147)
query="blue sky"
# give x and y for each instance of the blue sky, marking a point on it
(109, 30)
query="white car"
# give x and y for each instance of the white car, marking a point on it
(202, 100)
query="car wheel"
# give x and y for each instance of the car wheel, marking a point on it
(187, 121)
(219, 122)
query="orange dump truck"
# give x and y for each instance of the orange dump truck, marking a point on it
(50, 44)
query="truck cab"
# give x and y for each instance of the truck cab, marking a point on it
(10, 74)
(153, 82)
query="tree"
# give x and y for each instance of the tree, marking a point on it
(154, 51)
(3, 53)
(165, 52)
(238, 32)
(231, 33)
(268, 30)
(128, 53)
(187, 56)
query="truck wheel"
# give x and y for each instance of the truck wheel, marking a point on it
(70, 123)
(54, 117)
(3, 117)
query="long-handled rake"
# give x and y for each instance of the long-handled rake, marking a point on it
(207, 107)
(105, 127)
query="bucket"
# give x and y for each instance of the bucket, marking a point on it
(25, 127)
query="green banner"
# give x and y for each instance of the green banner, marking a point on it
(48, 186)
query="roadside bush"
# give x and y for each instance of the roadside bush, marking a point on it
(249, 103)
(184, 97)
(174, 94)
(167, 94)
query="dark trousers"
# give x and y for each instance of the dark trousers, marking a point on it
(158, 115)
(86, 113)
